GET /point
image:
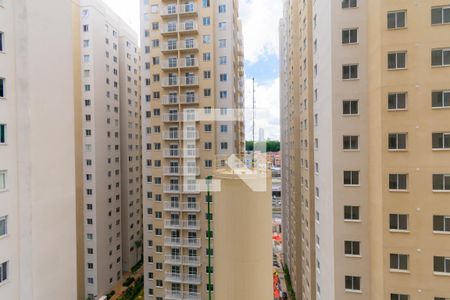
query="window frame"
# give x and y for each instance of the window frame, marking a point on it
(397, 220)
(442, 9)
(442, 93)
(397, 267)
(349, 33)
(397, 53)
(443, 137)
(442, 50)
(352, 211)
(398, 182)
(444, 189)
(355, 285)
(4, 175)
(396, 26)
(350, 106)
(352, 173)
(350, 66)
(397, 94)
(446, 265)
(349, 6)
(353, 245)
(5, 220)
(397, 136)
(445, 224)
(4, 266)
(351, 139)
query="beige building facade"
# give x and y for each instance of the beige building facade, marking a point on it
(38, 254)
(111, 147)
(192, 83)
(364, 88)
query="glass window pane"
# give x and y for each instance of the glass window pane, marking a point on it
(401, 19)
(446, 98)
(392, 101)
(437, 140)
(393, 221)
(353, 36)
(392, 61)
(393, 261)
(436, 16)
(401, 100)
(446, 141)
(447, 224)
(391, 20)
(446, 13)
(404, 262)
(392, 181)
(436, 57)
(402, 141)
(345, 36)
(401, 60)
(447, 182)
(403, 182)
(438, 223)
(438, 264)
(446, 55)
(438, 182)
(403, 222)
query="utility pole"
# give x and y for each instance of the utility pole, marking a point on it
(208, 198)
(254, 104)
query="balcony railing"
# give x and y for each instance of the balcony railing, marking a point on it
(173, 224)
(172, 11)
(173, 277)
(170, 81)
(169, 28)
(175, 295)
(171, 117)
(189, 81)
(172, 188)
(188, 62)
(188, 45)
(191, 224)
(191, 188)
(191, 260)
(186, 278)
(191, 296)
(172, 206)
(189, 99)
(171, 153)
(190, 206)
(171, 135)
(192, 278)
(186, 153)
(173, 259)
(172, 241)
(192, 242)
(188, 27)
(191, 135)
(188, 8)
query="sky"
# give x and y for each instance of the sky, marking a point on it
(260, 20)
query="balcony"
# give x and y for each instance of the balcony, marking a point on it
(189, 63)
(169, 65)
(172, 188)
(173, 277)
(191, 224)
(171, 135)
(169, 29)
(171, 153)
(191, 153)
(192, 278)
(173, 259)
(171, 206)
(189, 99)
(188, 27)
(190, 206)
(191, 189)
(171, 117)
(170, 82)
(191, 296)
(173, 295)
(172, 242)
(169, 47)
(188, 9)
(171, 100)
(192, 242)
(178, 171)
(172, 171)
(189, 81)
(188, 45)
(191, 260)
(172, 224)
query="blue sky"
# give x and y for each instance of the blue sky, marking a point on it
(260, 28)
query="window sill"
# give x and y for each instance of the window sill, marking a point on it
(441, 232)
(397, 28)
(441, 274)
(352, 185)
(440, 66)
(4, 236)
(398, 150)
(350, 115)
(397, 110)
(353, 291)
(441, 191)
(433, 108)
(440, 149)
(350, 79)
(352, 256)
(399, 271)
(398, 231)
(397, 69)
(398, 191)
(351, 150)
(352, 221)
(7, 280)
(350, 44)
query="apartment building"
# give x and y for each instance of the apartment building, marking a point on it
(37, 151)
(111, 141)
(192, 84)
(372, 104)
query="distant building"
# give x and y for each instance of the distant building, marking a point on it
(261, 135)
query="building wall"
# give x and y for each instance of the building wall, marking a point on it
(38, 156)
(166, 210)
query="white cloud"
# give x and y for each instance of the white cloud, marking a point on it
(267, 113)
(260, 20)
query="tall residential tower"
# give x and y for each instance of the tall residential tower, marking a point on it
(192, 84)
(365, 148)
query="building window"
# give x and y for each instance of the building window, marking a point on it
(222, 43)
(351, 142)
(441, 182)
(3, 226)
(352, 248)
(441, 140)
(349, 72)
(396, 60)
(351, 177)
(222, 8)
(3, 271)
(2, 133)
(399, 262)
(440, 15)
(399, 297)
(350, 107)
(396, 19)
(440, 224)
(440, 57)
(349, 3)
(398, 182)
(2, 41)
(2, 87)
(398, 222)
(349, 36)
(441, 264)
(397, 101)
(352, 283)
(3, 185)
(397, 141)
(351, 213)
(440, 99)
